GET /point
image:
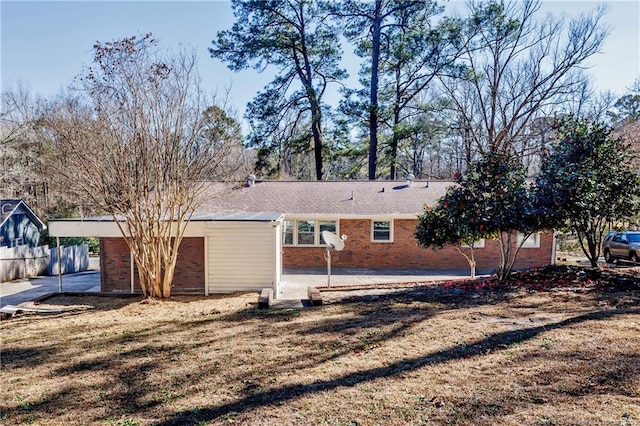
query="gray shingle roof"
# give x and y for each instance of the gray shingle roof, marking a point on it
(344, 198)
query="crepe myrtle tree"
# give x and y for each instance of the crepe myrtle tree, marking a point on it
(140, 139)
(491, 200)
(586, 182)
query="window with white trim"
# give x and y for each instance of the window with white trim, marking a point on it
(382, 231)
(306, 232)
(327, 225)
(287, 232)
(533, 241)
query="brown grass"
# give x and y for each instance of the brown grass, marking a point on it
(396, 356)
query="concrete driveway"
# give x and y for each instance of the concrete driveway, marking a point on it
(27, 289)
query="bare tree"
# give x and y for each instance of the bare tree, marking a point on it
(141, 141)
(22, 150)
(519, 66)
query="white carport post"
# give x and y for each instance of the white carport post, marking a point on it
(59, 250)
(132, 269)
(206, 265)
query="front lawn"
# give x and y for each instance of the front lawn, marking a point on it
(423, 355)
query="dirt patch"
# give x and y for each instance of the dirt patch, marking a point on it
(440, 355)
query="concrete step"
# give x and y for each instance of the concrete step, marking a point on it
(291, 304)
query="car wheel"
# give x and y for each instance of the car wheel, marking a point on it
(633, 257)
(607, 257)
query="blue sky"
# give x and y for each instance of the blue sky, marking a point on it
(44, 44)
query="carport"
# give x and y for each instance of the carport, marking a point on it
(227, 252)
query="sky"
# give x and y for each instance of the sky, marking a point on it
(44, 44)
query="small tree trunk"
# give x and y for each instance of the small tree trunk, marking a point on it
(373, 95)
(471, 259)
(591, 250)
(316, 131)
(507, 256)
(395, 140)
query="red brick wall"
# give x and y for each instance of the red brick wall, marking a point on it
(404, 252)
(115, 268)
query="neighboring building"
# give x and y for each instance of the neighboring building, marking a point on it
(19, 225)
(243, 240)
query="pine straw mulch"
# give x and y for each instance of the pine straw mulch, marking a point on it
(556, 346)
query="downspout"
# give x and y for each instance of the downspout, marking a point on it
(59, 250)
(206, 265)
(553, 248)
(277, 272)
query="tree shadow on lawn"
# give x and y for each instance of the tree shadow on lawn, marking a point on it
(480, 347)
(129, 359)
(397, 313)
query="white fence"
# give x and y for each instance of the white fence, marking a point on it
(74, 259)
(25, 261)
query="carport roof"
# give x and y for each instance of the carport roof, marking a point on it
(104, 226)
(223, 216)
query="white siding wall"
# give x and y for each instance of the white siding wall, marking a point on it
(242, 256)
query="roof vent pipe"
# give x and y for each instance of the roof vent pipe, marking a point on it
(409, 179)
(251, 181)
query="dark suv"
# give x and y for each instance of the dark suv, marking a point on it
(623, 245)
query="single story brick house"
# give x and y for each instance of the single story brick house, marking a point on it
(242, 241)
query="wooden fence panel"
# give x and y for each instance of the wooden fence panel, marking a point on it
(23, 261)
(74, 259)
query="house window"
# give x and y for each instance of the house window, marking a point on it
(381, 231)
(533, 241)
(287, 232)
(476, 244)
(306, 232)
(328, 225)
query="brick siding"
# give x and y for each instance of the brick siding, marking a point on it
(115, 267)
(404, 252)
